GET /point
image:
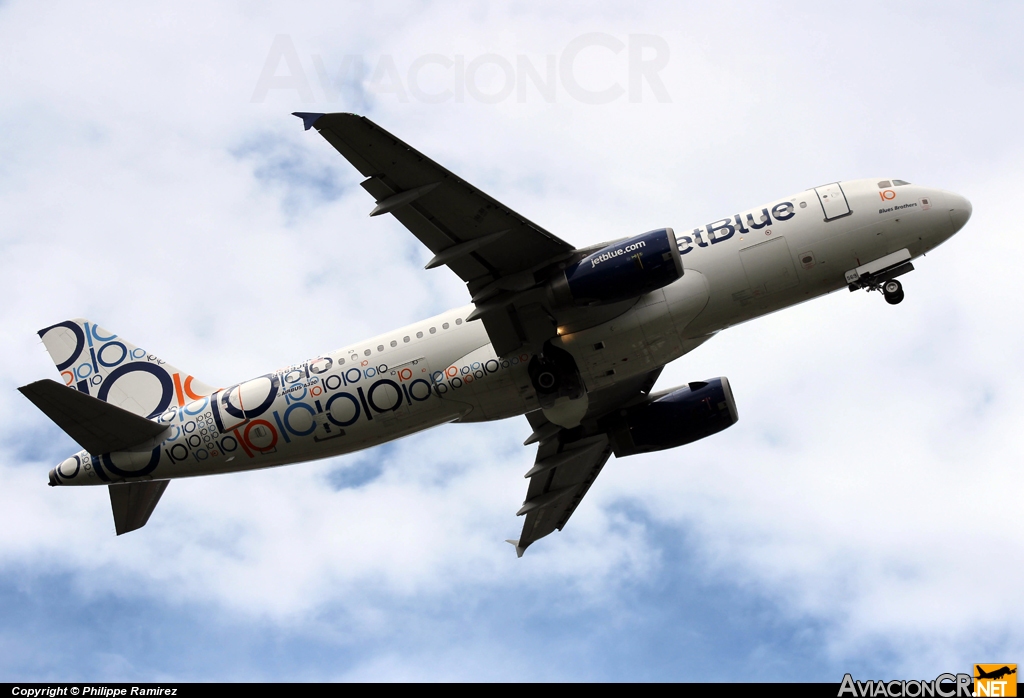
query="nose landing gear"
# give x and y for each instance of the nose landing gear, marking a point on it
(893, 291)
(880, 275)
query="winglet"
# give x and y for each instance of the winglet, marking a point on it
(520, 549)
(308, 118)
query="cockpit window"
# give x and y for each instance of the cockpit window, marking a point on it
(899, 183)
(884, 184)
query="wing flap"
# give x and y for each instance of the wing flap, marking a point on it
(98, 427)
(569, 460)
(557, 488)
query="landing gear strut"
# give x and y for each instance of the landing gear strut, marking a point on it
(880, 275)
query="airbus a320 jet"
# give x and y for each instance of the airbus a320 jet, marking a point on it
(572, 338)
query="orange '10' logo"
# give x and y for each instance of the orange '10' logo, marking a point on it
(887, 195)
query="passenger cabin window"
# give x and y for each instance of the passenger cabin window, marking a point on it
(884, 184)
(366, 353)
(458, 321)
(899, 183)
(405, 339)
(380, 347)
(341, 361)
(444, 326)
(433, 330)
(419, 335)
(394, 343)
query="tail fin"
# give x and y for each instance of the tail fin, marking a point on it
(105, 366)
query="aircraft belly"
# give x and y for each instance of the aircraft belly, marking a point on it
(646, 337)
(494, 388)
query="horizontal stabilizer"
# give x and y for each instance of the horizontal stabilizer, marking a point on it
(98, 427)
(133, 503)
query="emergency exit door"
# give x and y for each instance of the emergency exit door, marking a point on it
(833, 201)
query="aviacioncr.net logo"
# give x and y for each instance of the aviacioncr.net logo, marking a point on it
(995, 680)
(943, 686)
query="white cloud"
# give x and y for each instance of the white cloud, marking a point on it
(874, 468)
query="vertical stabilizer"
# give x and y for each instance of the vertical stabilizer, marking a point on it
(105, 366)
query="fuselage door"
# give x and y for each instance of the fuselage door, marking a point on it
(833, 201)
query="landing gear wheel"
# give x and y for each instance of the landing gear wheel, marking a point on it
(893, 291)
(547, 381)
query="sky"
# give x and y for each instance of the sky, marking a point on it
(859, 516)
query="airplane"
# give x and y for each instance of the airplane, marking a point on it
(995, 674)
(574, 339)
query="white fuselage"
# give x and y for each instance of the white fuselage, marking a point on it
(444, 369)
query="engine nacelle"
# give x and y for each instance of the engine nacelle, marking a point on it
(627, 269)
(673, 418)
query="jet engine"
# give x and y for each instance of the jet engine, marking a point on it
(626, 269)
(673, 418)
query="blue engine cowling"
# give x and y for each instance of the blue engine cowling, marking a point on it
(673, 418)
(624, 270)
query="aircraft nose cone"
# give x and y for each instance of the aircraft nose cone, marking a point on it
(960, 210)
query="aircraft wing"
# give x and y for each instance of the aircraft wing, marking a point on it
(569, 460)
(495, 250)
